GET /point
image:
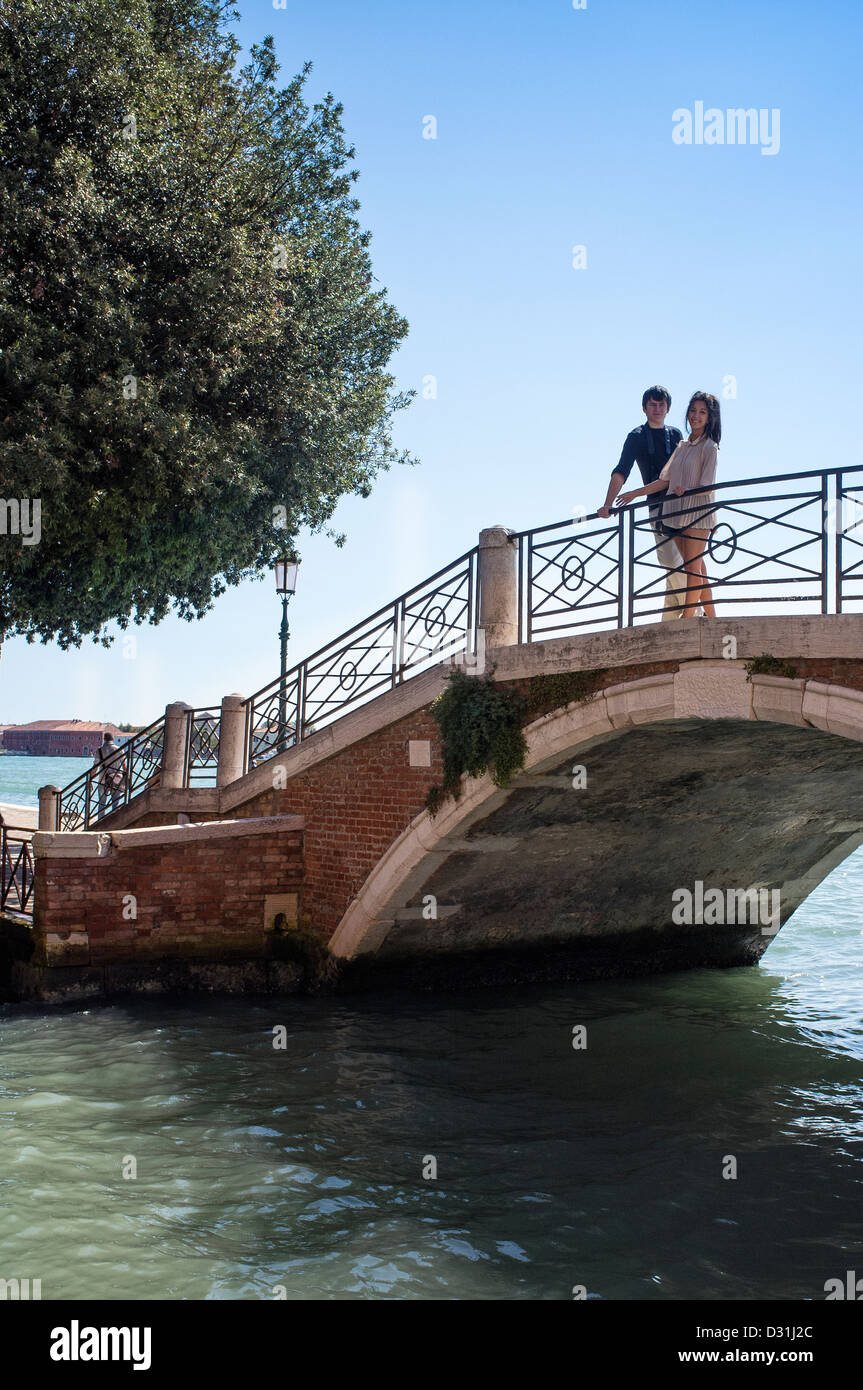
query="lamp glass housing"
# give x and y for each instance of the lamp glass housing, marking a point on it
(286, 576)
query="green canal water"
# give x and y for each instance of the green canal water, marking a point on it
(302, 1169)
(21, 777)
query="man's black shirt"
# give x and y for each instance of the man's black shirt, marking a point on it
(636, 450)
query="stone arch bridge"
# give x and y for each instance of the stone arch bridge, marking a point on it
(675, 818)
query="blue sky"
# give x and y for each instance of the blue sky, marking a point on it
(554, 129)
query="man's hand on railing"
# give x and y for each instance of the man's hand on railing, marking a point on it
(603, 511)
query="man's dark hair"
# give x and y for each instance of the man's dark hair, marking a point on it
(108, 738)
(656, 393)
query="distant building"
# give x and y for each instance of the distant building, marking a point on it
(58, 738)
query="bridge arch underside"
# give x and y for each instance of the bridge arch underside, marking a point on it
(548, 880)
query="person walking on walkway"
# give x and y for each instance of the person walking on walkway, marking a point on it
(651, 446)
(690, 521)
(111, 774)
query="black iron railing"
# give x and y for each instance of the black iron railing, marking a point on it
(16, 871)
(794, 539)
(847, 526)
(106, 787)
(201, 760)
(434, 620)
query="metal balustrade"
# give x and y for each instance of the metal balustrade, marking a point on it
(201, 759)
(16, 871)
(848, 518)
(791, 540)
(136, 765)
(434, 620)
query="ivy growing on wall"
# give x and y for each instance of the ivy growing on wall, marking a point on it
(481, 724)
(766, 665)
(546, 693)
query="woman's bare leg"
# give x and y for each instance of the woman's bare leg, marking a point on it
(706, 592)
(689, 549)
(694, 545)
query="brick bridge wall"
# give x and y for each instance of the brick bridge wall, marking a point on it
(356, 803)
(199, 892)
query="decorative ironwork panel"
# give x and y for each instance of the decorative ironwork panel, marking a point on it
(202, 747)
(847, 518)
(17, 871)
(77, 802)
(437, 620)
(766, 547)
(271, 719)
(143, 758)
(345, 673)
(134, 767)
(431, 621)
(573, 577)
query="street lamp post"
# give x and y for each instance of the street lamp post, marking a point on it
(286, 583)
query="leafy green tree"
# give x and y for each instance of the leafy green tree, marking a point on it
(193, 355)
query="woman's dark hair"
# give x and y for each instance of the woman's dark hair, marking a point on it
(713, 428)
(656, 393)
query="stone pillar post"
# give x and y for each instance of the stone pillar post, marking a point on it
(498, 586)
(49, 801)
(232, 739)
(174, 746)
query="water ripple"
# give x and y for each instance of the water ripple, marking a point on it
(307, 1170)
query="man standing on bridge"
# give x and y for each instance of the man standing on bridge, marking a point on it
(111, 774)
(651, 446)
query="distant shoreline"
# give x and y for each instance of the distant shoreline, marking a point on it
(22, 753)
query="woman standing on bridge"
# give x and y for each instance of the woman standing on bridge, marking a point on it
(689, 523)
